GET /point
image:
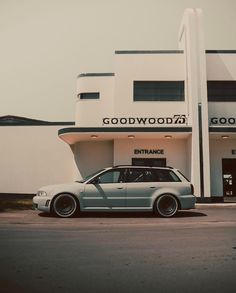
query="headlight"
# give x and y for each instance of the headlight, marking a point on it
(41, 193)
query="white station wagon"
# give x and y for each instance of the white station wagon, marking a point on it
(164, 190)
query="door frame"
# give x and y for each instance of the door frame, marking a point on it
(223, 179)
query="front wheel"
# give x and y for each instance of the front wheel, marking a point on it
(166, 205)
(65, 205)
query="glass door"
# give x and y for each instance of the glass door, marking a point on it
(150, 162)
(229, 177)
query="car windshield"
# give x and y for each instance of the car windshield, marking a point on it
(89, 176)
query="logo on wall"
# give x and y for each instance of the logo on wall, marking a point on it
(176, 119)
(223, 121)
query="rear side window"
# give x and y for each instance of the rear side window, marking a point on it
(162, 175)
(151, 175)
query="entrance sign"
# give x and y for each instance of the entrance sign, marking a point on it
(149, 152)
(176, 119)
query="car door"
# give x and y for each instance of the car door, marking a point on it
(139, 188)
(105, 192)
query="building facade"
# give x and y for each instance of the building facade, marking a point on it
(174, 108)
(31, 156)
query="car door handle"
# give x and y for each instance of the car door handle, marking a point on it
(152, 186)
(120, 187)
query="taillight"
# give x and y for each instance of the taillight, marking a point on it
(192, 189)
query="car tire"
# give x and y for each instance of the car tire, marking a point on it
(65, 205)
(166, 205)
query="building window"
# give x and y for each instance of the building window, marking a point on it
(221, 90)
(161, 91)
(89, 96)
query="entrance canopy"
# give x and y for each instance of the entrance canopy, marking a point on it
(73, 135)
(227, 132)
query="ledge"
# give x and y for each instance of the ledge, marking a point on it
(213, 129)
(123, 129)
(95, 74)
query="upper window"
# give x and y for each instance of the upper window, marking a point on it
(159, 91)
(221, 90)
(88, 96)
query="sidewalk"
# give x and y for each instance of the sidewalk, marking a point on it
(216, 205)
(227, 202)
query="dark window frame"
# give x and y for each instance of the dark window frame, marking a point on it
(165, 172)
(89, 96)
(221, 90)
(158, 91)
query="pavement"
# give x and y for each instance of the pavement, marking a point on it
(204, 215)
(195, 251)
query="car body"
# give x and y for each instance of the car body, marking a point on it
(164, 190)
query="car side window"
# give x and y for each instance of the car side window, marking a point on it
(139, 175)
(162, 175)
(112, 176)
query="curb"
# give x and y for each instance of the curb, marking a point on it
(215, 205)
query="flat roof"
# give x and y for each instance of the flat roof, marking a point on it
(149, 52)
(96, 74)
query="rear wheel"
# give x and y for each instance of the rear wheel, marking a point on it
(65, 205)
(166, 205)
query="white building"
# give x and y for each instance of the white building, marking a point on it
(172, 108)
(175, 108)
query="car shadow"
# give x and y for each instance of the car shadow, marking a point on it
(180, 214)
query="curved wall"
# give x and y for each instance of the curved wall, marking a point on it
(89, 113)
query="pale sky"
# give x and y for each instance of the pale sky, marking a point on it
(45, 44)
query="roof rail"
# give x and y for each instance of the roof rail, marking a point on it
(128, 165)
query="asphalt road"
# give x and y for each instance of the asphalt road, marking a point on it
(193, 252)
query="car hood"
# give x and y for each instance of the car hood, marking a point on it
(74, 188)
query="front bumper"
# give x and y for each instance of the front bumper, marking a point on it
(42, 203)
(187, 202)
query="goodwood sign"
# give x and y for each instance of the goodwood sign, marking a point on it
(176, 119)
(223, 121)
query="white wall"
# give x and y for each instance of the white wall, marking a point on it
(89, 113)
(150, 67)
(92, 156)
(219, 149)
(116, 92)
(33, 156)
(175, 151)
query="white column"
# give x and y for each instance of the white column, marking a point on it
(187, 42)
(191, 40)
(204, 102)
